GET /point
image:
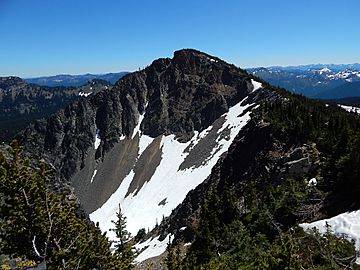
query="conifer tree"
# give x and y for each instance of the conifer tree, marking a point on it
(42, 226)
(123, 245)
(173, 259)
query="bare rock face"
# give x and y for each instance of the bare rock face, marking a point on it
(21, 102)
(300, 166)
(176, 96)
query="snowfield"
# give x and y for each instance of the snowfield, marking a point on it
(346, 225)
(169, 184)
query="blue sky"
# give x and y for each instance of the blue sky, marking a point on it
(43, 37)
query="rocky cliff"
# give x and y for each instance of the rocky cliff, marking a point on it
(194, 102)
(21, 102)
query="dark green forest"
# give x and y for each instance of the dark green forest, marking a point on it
(263, 232)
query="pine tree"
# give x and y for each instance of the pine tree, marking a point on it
(173, 259)
(41, 225)
(124, 248)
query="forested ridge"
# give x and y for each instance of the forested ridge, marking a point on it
(253, 224)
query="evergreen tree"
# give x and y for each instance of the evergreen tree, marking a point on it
(173, 259)
(124, 244)
(41, 225)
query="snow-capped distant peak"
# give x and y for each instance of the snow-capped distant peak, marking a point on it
(348, 75)
(324, 70)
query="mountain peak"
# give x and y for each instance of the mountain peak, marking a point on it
(168, 104)
(189, 55)
(13, 79)
(10, 81)
(188, 52)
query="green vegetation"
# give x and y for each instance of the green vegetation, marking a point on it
(337, 137)
(255, 227)
(124, 246)
(40, 225)
(250, 237)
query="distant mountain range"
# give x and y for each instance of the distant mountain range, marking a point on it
(22, 102)
(75, 80)
(322, 81)
(334, 67)
(315, 81)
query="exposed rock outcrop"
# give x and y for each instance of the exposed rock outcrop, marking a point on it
(179, 96)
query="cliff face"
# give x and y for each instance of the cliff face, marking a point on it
(176, 96)
(150, 139)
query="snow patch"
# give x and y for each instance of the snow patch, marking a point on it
(312, 182)
(137, 128)
(256, 85)
(350, 108)
(97, 139)
(93, 176)
(346, 225)
(153, 246)
(82, 94)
